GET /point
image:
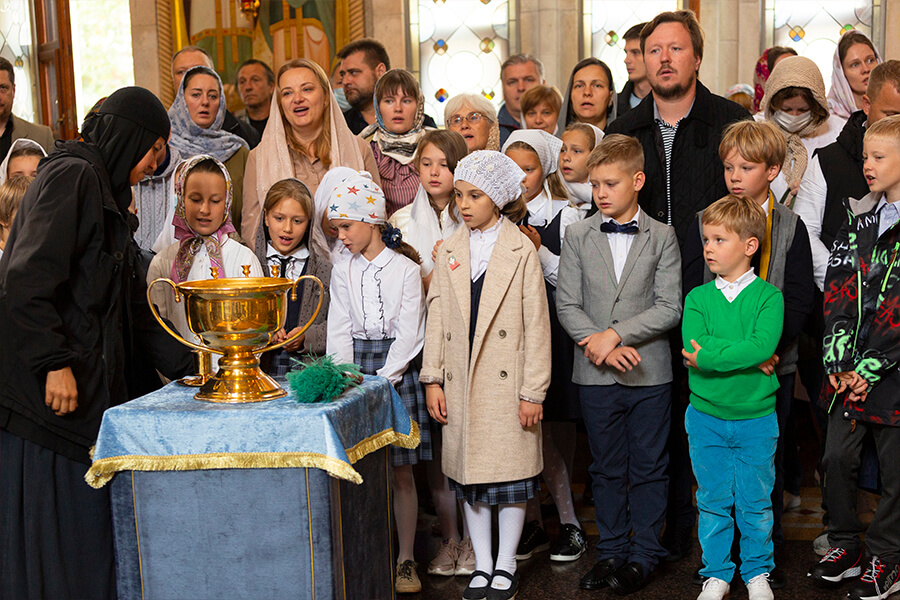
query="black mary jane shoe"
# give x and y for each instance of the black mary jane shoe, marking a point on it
(628, 579)
(598, 577)
(477, 593)
(507, 594)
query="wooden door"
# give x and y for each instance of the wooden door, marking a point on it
(56, 71)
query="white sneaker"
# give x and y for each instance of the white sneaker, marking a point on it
(714, 589)
(759, 589)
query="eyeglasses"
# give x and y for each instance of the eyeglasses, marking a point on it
(474, 117)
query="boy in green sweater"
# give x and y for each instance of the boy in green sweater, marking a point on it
(731, 329)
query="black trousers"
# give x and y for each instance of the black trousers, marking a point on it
(56, 536)
(627, 429)
(843, 446)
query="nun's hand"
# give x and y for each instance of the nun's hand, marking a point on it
(61, 391)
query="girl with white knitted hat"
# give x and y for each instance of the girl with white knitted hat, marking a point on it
(486, 363)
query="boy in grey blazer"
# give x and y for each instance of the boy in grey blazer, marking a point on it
(618, 294)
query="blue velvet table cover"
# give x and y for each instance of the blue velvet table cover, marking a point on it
(170, 431)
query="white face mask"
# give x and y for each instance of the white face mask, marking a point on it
(341, 99)
(792, 123)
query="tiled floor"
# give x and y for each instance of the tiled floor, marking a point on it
(543, 580)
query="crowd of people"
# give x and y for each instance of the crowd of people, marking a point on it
(657, 266)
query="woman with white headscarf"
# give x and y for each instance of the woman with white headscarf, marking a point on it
(22, 159)
(305, 137)
(854, 58)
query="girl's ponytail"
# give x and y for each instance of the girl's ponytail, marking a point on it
(393, 239)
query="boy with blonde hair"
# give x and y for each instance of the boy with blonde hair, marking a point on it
(752, 154)
(732, 325)
(618, 294)
(862, 349)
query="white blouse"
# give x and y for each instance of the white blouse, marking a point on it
(541, 212)
(481, 244)
(374, 301)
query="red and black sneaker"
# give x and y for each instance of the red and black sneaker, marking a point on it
(836, 565)
(880, 581)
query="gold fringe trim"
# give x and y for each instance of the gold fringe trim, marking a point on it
(103, 470)
(378, 441)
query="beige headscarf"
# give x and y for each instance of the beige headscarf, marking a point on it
(795, 71)
(273, 160)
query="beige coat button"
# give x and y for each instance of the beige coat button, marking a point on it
(449, 376)
(448, 336)
(502, 333)
(502, 374)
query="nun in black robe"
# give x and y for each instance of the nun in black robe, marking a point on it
(74, 317)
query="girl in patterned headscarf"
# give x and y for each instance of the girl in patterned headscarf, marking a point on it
(395, 134)
(207, 245)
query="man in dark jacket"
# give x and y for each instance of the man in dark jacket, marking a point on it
(679, 125)
(638, 86)
(74, 317)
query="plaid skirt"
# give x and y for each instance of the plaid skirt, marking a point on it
(370, 355)
(507, 492)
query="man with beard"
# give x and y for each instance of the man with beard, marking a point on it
(362, 63)
(679, 124)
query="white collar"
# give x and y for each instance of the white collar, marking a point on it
(741, 282)
(380, 261)
(300, 252)
(491, 232)
(635, 218)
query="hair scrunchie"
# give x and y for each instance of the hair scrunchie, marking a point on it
(391, 236)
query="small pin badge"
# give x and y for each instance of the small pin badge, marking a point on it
(453, 262)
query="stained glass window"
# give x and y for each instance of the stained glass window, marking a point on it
(458, 47)
(101, 47)
(608, 20)
(813, 27)
(15, 38)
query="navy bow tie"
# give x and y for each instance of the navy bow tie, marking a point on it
(613, 227)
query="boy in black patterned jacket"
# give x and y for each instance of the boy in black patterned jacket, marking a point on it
(862, 350)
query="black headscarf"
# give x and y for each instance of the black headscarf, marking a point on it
(123, 129)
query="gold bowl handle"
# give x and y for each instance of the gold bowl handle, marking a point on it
(171, 331)
(294, 297)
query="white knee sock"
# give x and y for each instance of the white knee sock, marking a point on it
(557, 477)
(511, 518)
(479, 519)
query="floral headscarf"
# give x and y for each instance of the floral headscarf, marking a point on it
(190, 242)
(760, 76)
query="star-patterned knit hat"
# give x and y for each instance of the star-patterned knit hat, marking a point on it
(493, 173)
(357, 198)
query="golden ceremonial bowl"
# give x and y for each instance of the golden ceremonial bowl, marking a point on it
(236, 318)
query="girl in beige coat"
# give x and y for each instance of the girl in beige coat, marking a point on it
(487, 362)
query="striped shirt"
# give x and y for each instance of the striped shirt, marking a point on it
(668, 136)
